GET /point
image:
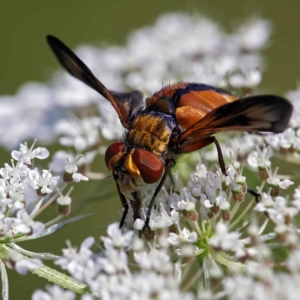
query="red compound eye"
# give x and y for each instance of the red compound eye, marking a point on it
(149, 165)
(113, 150)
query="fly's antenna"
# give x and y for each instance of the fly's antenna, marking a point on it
(163, 90)
(154, 93)
(107, 177)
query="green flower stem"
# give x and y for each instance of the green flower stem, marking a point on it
(198, 229)
(203, 226)
(230, 264)
(241, 215)
(8, 211)
(50, 201)
(52, 275)
(4, 279)
(235, 209)
(62, 280)
(211, 225)
(4, 253)
(190, 282)
(55, 220)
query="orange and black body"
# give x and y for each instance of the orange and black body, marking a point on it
(153, 128)
(178, 119)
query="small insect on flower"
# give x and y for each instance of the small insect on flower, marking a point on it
(180, 118)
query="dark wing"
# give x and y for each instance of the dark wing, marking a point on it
(129, 102)
(123, 103)
(255, 113)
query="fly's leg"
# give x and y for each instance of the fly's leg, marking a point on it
(136, 205)
(254, 194)
(125, 205)
(168, 165)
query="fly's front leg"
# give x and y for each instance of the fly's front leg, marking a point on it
(136, 205)
(125, 205)
(168, 165)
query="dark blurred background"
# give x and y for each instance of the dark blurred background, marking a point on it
(24, 56)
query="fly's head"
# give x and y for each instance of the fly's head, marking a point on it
(132, 168)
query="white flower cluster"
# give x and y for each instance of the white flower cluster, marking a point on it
(18, 181)
(108, 275)
(203, 222)
(274, 286)
(203, 240)
(219, 236)
(25, 192)
(202, 226)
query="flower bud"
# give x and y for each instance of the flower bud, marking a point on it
(284, 150)
(68, 177)
(243, 259)
(263, 173)
(288, 219)
(63, 209)
(39, 192)
(282, 238)
(237, 192)
(226, 216)
(173, 228)
(238, 196)
(64, 205)
(190, 211)
(210, 215)
(215, 209)
(292, 150)
(223, 183)
(273, 183)
(224, 186)
(275, 191)
(193, 216)
(241, 180)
